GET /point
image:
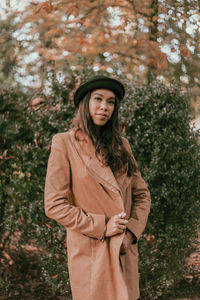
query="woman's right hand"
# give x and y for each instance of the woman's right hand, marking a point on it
(116, 225)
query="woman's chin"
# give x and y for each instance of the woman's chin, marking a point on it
(100, 122)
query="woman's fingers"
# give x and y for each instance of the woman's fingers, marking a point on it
(122, 221)
(123, 227)
(122, 215)
(116, 224)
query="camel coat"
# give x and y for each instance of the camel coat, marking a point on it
(81, 193)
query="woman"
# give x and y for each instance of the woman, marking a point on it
(94, 188)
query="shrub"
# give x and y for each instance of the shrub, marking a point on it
(26, 133)
(156, 121)
(166, 149)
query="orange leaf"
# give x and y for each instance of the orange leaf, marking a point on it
(188, 53)
(135, 42)
(48, 225)
(7, 256)
(54, 276)
(154, 18)
(4, 154)
(54, 31)
(81, 41)
(47, 6)
(36, 101)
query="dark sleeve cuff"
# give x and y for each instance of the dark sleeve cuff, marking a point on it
(134, 237)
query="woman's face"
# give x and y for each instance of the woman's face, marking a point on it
(101, 106)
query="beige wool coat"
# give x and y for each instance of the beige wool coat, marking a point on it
(81, 193)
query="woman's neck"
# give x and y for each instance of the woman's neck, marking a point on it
(97, 130)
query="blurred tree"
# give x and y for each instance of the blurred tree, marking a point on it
(9, 50)
(138, 37)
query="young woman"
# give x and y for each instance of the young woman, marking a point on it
(94, 188)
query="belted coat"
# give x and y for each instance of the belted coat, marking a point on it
(81, 193)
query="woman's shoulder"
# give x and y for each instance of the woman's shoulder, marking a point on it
(62, 136)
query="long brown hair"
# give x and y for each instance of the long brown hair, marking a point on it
(108, 141)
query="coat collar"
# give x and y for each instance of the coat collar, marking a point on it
(86, 151)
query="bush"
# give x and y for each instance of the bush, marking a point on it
(26, 133)
(156, 121)
(166, 149)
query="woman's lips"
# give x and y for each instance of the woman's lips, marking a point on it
(101, 116)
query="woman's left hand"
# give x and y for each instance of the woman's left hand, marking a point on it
(116, 225)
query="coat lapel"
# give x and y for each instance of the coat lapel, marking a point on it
(103, 174)
(123, 180)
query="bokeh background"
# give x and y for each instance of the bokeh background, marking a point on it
(47, 48)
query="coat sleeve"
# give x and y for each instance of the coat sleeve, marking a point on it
(58, 197)
(141, 202)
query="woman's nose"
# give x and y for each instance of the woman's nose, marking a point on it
(103, 105)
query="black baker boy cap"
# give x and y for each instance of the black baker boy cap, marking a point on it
(99, 82)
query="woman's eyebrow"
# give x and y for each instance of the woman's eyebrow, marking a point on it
(99, 94)
(96, 93)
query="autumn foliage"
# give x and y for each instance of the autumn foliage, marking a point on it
(134, 37)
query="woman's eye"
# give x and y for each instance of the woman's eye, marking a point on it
(97, 98)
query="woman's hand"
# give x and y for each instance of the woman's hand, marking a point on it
(116, 225)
